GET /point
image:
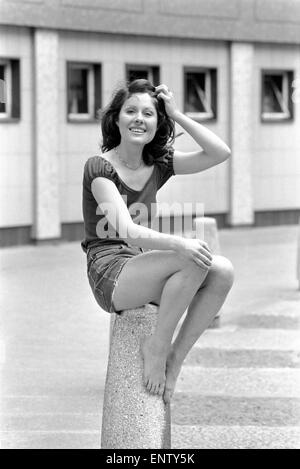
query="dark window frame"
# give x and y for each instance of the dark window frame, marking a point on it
(153, 69)
(13, 88)
(277, 117)
(96, 92)
(213, 76)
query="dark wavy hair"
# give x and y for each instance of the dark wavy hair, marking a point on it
(164, 136)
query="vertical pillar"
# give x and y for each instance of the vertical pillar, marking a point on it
(241, 128)
(298, 255)
(46, 223)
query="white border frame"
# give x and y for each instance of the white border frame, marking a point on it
(90, 92)
(273, 116)
(7, 88)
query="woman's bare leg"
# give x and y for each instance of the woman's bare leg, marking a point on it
(156, 348)
(158, 276)
(201, 311)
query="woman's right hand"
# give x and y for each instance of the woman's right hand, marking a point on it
(197, 251)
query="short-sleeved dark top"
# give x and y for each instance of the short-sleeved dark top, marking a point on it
(95, 223)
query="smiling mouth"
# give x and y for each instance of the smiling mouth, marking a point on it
(136, 130)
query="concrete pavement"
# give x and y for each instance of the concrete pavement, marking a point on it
(239, 387)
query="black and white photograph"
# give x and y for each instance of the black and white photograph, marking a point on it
(150, 227)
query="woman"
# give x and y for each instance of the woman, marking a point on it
(129, 264)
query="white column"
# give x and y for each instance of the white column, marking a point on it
(46, 165)
(241, 128)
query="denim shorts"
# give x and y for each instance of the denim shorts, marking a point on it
(104, 264)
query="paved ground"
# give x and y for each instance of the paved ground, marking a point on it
(239, 387)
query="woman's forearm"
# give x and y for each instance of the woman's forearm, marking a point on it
(208, 141)
(148, 238)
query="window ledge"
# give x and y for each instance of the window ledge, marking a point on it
(276, 117)
(76, 120)
(12, 120)
(201, 116)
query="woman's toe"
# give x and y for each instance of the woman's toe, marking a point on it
(152, 390)
(155, 389)
(167, 396)
(149, 385)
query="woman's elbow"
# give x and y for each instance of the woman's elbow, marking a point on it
(226, 154)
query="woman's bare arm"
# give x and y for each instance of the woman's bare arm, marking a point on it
(213, 150)
(113, 206)
(111, 202)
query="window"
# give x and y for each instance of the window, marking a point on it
(200, 97)
(276, 101)
(147, 72)
(9, 89)
(84, 91)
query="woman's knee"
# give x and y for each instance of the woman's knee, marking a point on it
(222, 272)
(194, 272)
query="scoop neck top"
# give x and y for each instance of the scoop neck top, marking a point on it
(124, 183)
(98, 166)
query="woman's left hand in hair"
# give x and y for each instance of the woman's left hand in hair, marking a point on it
(163, 92)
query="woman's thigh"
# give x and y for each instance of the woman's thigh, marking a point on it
(143, 277)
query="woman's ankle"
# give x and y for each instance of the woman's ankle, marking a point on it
(175, 356)
(157, 345)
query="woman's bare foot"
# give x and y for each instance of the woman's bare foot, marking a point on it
(173, 368)
(154, 366)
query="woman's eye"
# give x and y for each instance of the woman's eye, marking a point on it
(133, 111)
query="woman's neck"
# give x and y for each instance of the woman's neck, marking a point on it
(132, 154)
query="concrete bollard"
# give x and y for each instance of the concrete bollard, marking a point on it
(208, 231)
(132, 417)
(208, 226)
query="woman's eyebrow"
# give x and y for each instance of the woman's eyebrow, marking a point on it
(147, 108)
(130, 106)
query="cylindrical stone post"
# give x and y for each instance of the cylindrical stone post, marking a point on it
(132, 417)
(208, 231)
(206, 228)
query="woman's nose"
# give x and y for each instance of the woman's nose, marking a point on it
(139, 117)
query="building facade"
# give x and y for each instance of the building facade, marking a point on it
(233, 65)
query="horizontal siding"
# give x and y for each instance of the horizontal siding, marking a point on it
(16, 169)
(248, 20)
(276, 146)
(80, 141)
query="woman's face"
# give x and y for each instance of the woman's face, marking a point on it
(138, 119)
